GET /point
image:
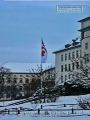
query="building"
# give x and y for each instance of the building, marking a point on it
(48, 76)
(22, 80)
(79, 47)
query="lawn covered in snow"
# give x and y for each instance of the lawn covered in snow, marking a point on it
(27, 117)
(55, 110)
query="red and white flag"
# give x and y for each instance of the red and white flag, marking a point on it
(43, 53)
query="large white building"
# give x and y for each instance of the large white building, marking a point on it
(75, 50)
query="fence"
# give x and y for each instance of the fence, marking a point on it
(42, 109)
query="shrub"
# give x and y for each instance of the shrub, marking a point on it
(84, 103)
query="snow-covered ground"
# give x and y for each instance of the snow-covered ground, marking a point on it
(27, 117)
(60, 110)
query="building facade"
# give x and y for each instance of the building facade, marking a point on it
(21, 82)
(79, 47)
(48, 77)
(17, 85)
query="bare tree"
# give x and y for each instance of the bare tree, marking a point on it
(4, 72)
(45, 78)
(82, 68)
(80, 76)
(8, 87)
(44, 75)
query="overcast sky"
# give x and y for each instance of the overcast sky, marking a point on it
(22, 24)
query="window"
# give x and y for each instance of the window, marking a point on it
(61, 79)
(2, 88)
(81, 63)
(2, 81)
(61, 68)
(65, 56)
(73, 66)
(8, 76)
(86, 58)
(73, 55)
(14, 88)
(33, 79)
(69, 56)
(20, 80)
(80, 53)
(27, 88)
(69, 67)
(68, 76)
(27, 75)
(86, 45)
(27, 80)
(66, 67)
(15, 80)
(65, 77)
(77, 65)
(20, 75)
(82, 35)
(8, 88)
(20, 88)
(20, 94)
(61, 57)
(8, 81)
(86, 72)
(77, 55)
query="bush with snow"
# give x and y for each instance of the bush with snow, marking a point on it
(84, 102)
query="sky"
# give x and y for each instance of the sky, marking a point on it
(23, 23)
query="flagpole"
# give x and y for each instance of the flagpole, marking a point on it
(41, 77)
(43, 60)
(41, 63)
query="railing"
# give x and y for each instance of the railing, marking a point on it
(70, 111)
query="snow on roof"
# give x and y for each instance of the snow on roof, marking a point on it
(26, 67)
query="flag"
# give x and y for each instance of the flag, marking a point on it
(43, 53)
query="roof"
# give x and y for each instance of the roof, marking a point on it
(85, 19)
(49, 69)
(65, 49)
(27, 67)
(84, 29)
